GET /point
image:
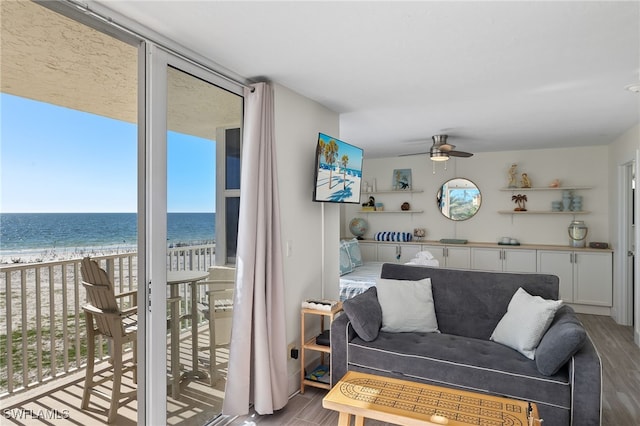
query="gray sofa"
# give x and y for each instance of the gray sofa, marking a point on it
(468, 306)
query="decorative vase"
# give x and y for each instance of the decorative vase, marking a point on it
(578, 233)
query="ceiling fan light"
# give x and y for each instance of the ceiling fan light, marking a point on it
(439, 156)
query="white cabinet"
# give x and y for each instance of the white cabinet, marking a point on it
(451, 256)
(397, 253)
(369, 251)
(503, 260)
(585, 277)
(592, 278)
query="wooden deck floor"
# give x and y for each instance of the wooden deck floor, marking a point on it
(197, 403)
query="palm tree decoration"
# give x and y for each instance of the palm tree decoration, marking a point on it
(330, 154)
(344, 161)
(320, 149)
(519, 200)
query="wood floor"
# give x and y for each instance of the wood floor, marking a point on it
(621, 384)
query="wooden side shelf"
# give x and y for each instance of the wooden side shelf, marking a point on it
(309, 344)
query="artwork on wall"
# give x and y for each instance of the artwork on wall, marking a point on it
(401, 179)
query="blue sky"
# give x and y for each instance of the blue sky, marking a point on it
(55, 159)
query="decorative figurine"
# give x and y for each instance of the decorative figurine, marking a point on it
(405, 206)
(372, 202)
(419, 233)
(526, 182)
(555, 183)
(512, 176)
(519, 200)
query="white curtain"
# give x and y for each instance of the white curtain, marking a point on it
(257, 359)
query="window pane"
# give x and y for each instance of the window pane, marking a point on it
(232, 151)
(233, 212)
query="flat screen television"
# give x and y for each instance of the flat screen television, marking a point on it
(338, 174)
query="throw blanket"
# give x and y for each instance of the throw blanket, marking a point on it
(424, 258)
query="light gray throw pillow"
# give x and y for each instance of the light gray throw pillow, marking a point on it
(407, 305)
(527, 319)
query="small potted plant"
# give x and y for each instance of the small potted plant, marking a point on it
(519, 199)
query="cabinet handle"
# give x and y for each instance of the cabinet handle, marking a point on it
(570, 257)
(398, 252)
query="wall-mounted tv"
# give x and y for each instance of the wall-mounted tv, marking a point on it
(338, 171)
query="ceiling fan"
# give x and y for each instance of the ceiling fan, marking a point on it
(441, 150)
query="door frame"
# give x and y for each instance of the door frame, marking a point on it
(624, 308)
(154, 199)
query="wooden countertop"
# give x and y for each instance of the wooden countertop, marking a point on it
(495, 245)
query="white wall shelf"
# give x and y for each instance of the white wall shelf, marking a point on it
(390, 211)
(395, 191)
(543, 212)
(545, 188)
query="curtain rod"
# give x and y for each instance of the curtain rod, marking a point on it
(84, 8)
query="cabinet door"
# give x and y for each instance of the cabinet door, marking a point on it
(558, 263)
(486, 259)
(397, 253)
(517, 260)
(369, 251)
(458, 257)
(593, 278)
(437, 252)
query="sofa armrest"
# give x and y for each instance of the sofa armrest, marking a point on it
(341, 333)
(586, 389)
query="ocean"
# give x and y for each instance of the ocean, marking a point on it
(39, 234)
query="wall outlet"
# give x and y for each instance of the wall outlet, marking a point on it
(292, 351)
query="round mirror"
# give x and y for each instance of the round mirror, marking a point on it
(459, 199)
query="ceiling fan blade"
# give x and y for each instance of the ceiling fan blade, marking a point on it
(459, 154)
(413, 153)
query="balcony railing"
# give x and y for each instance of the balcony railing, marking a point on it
(42, 325)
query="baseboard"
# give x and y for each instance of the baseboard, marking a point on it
(293, 383)
(636, 337)
(591, 309)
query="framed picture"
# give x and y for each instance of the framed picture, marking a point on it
(401, 179)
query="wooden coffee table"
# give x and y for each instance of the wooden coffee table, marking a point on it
(410, 403)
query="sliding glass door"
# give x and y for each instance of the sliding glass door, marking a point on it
(194, 138)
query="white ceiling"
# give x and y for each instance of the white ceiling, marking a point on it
(492, 75)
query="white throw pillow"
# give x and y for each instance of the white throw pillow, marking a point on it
(527, 319)
(407, 305)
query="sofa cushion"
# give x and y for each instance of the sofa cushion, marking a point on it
(472, 364)
(565, 337)
(365, 314)
(407, 306)
(482, 297)
(527, 319)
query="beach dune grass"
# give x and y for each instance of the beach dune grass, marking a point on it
(37, 371)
